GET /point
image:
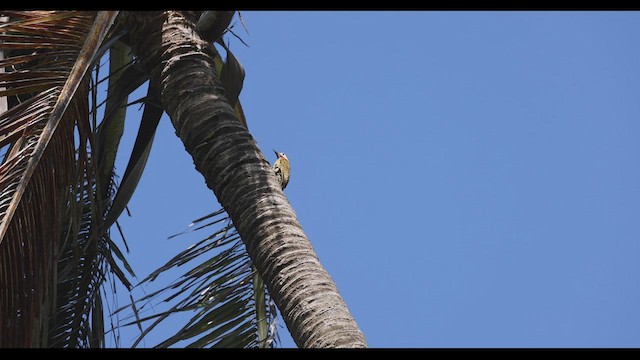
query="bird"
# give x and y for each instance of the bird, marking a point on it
(282, 169)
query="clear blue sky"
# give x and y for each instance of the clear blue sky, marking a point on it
(469, 179)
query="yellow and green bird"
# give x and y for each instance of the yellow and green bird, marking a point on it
(282, 169)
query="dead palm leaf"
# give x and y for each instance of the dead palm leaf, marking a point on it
(54, 251)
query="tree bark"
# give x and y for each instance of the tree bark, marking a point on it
(241, 178)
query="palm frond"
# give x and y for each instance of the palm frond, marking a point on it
(112, 125)
(54, 250)
(228, 301)
(212, 24)
(231, 74)
(140, 153)
(58, 74)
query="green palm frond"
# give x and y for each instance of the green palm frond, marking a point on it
(227, 300)
(142, 146)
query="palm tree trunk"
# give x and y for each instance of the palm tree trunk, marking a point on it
(237, 172)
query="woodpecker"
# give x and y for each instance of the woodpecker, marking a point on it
(282, 169)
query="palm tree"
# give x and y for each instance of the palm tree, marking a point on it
(58, 197)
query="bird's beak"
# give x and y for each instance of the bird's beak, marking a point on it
(277, 155)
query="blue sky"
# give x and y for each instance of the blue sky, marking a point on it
(469, 179)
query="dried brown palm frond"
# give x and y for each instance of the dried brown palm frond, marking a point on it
(54, 251)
